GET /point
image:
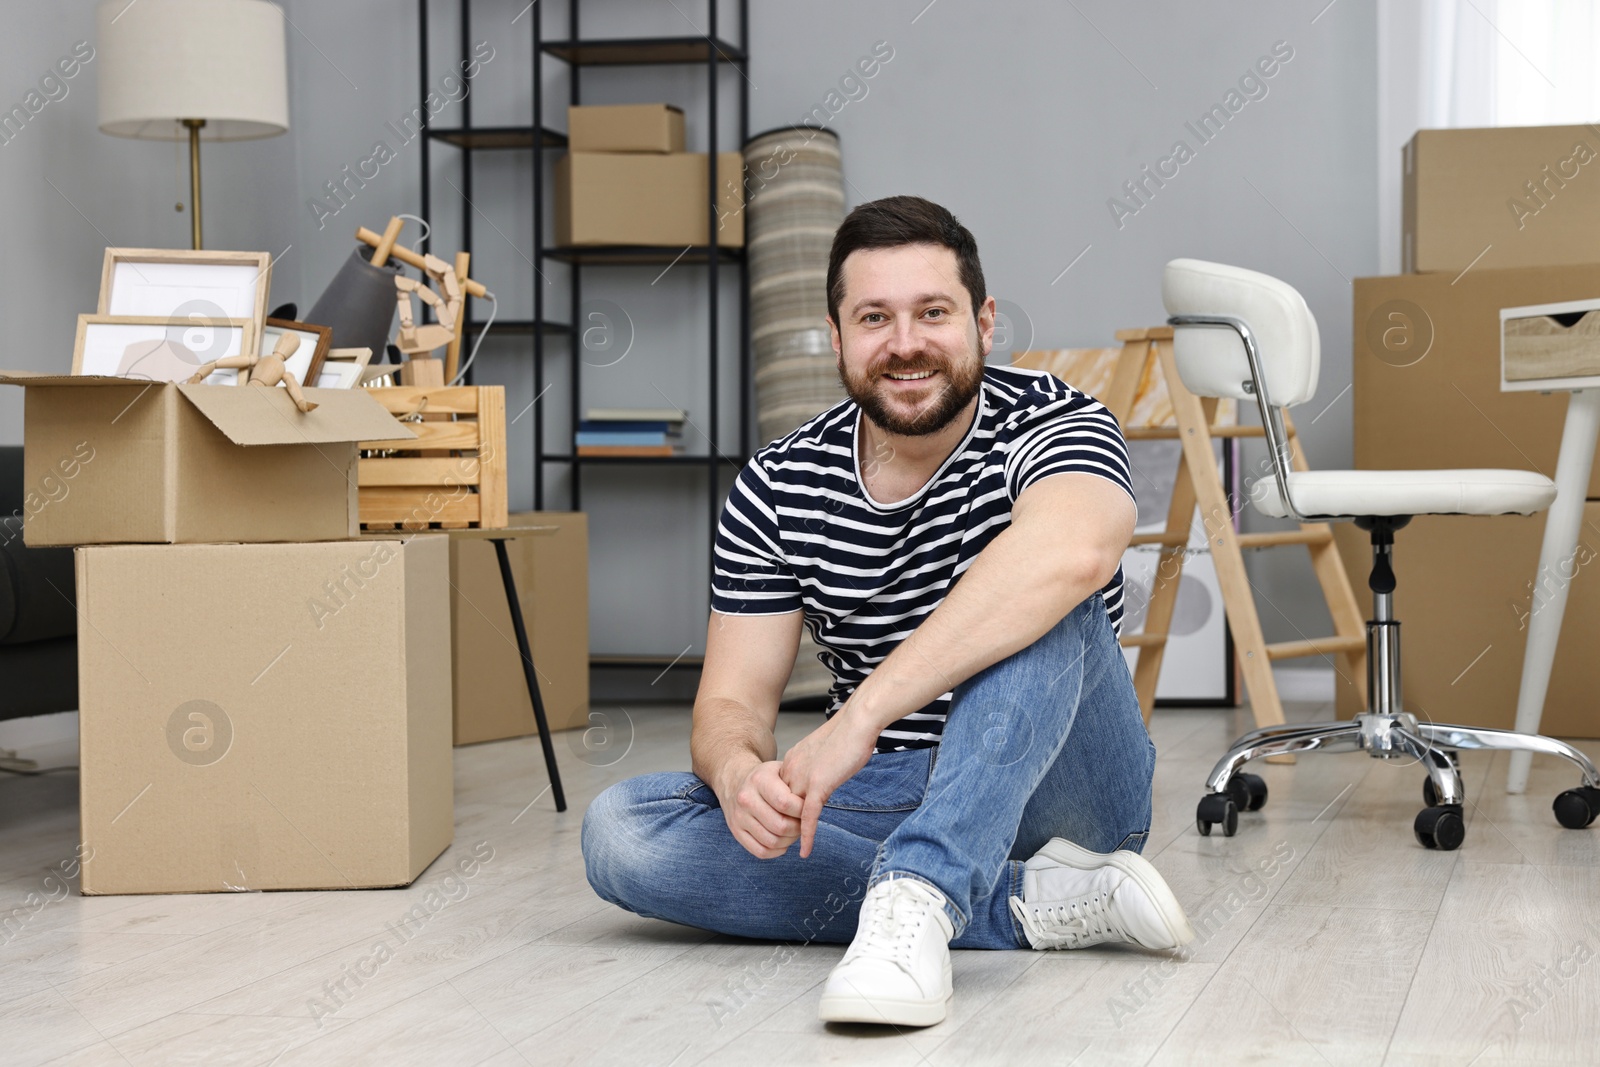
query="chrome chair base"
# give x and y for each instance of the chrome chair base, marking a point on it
(1394, 736)
(1385, 732)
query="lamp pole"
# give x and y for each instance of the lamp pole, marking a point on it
(194, 127)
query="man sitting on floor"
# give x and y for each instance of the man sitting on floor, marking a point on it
(951, 535)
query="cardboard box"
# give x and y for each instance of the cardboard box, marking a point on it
(551, 570)
(1515, 196)
(1426, 370)
(114, 460)
(613, 198)
(264, 716)
(1463, 600)
(625, 128)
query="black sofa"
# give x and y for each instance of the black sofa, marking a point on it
(38, 612)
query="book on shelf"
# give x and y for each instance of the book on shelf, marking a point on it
(629, 426)
(629, 450)
(674, 415)
(643, 438)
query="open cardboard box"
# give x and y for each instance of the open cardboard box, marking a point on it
(264, 716)
(117, 460)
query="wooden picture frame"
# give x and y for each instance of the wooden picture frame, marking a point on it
(306, 363)
(102, 343)
(344, 368)
(176, 283)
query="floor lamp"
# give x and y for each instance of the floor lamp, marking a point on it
(192, 69)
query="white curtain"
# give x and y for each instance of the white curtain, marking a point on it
(1465, 63)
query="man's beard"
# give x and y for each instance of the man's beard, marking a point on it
(961, 383)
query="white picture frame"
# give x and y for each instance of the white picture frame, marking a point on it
(173, 349)
(176, 283)
(339, 374)
(344, 368)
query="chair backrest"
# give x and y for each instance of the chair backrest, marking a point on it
(1211, 359)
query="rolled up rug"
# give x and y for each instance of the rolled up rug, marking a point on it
(794, 203)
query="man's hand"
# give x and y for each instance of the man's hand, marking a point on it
(824, 760)
(763, 815)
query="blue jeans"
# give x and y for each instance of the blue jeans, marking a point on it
(1048, 742)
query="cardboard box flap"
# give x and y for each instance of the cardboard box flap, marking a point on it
(252, 415)
(39, 377)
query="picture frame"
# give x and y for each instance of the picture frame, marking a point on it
(177, 283)
(306, 362)
(173, 349)
(344, 368)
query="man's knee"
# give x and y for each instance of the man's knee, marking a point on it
(615, 831)
(604, 835)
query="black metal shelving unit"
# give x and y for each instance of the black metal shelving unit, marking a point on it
(716, 55)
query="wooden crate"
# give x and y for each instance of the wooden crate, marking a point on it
(453, 476)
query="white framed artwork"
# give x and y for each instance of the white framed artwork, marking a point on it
(175, 283)
(158, 349)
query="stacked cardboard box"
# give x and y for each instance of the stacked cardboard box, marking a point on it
(264, 699)
(628, 181)
(552, 575)
(1492, 219)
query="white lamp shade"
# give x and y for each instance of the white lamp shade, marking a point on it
(218, 60)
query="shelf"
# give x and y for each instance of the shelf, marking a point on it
(603, 659)
(523, 327)
(495, 137)
(642, 254)
(700, 460)
(633, 51)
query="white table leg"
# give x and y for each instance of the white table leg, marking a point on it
(1557, 563)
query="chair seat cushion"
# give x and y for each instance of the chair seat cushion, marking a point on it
(1329, 494)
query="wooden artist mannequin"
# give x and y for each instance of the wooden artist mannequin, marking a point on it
(266, 370)
(416, 340)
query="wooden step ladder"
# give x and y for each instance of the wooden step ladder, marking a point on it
(1199, 484)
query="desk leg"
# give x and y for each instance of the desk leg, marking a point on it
(528, 673)
(1557, 563)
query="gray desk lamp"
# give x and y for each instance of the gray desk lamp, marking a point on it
(195, 69)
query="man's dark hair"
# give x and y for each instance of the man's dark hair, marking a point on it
(903, 220)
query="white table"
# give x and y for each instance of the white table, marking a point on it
(1557, 556)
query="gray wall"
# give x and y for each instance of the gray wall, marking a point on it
(1023, 118)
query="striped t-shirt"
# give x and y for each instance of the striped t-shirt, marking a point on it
(800, 533)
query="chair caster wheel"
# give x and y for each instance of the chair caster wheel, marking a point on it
(1214, 809)
(1430, 795)
(1249, 791)
(1440, 827)
(1577, 808)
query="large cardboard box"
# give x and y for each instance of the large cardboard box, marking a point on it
(619, 198)
(625, 128)
(114, 461)
(1464, 598)
(264, 716)
(551, 569)
(1516, 196)
(1426, 370)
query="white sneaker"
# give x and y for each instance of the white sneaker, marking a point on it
(897, 970)
(1073, 898)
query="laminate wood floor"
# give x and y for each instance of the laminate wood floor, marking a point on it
(1327, 936)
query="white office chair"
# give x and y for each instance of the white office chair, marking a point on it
(1245, 335)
